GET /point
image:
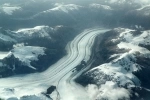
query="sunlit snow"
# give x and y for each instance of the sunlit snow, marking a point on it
(9, 9)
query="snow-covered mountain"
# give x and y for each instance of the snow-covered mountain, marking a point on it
(99, 6)
(124, 54)
(23, 50)
(38, 31)
(64, 8)
(144, 10)
(52, 14)
(8, 38)
(59, 8)
(19, 58)
(9, 9)
(36, 34)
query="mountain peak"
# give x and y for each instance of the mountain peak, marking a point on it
(64, 8)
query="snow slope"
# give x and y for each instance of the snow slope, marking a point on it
(118, 73)
(64, 8)
(7, 36)
(26, 54)
(3, 55)
(38, 31)
(99, 6)
(9, 9)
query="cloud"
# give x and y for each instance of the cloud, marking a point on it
(92, 91)
(111, 91)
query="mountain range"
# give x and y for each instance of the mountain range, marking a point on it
(90, 50)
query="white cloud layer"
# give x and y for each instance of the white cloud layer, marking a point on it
(109, 91)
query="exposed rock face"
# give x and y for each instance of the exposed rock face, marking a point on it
(27, 59)
(33, 49)
(122, 57)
